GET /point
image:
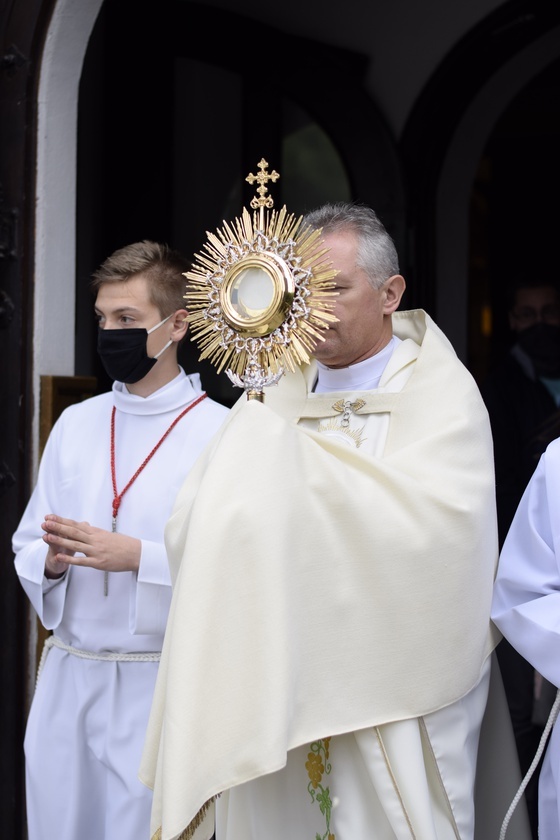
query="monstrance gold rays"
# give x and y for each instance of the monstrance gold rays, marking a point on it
(260, 295)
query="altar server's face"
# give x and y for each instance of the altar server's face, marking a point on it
(364, 326)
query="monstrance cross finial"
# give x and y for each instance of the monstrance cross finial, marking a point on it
(262, 179)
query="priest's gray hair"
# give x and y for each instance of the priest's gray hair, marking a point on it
(376, 253)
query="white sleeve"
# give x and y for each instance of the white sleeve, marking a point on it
(526, 601)
(46, 596)
(151, 597)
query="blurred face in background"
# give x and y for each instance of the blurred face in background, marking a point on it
(535, 318)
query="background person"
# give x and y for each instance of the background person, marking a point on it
(523, 391)
(522, 395)
(90, 554)
(526, 603)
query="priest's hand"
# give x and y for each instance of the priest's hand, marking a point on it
(105, 550)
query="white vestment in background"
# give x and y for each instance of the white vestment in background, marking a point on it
(526, 605)
(88, 717)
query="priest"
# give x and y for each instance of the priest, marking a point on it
(326, 663)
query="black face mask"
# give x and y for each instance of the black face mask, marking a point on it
(124, 355)
(541, 342)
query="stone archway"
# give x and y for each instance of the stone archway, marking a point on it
(55, 214)
(444, 136)
(457, 175)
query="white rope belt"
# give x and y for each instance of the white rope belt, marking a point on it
(541, 748)
(107, 656)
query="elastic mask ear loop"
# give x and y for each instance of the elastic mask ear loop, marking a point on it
(157, 355)
(169, 343)
(151, 330)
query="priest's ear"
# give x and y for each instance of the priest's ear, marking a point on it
(394, 290)
(180, 325)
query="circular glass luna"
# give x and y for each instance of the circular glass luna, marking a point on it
(256, 294)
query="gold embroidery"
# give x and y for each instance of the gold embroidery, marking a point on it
(333, 425)
(318, 765)
(345, 406)
(342, 426)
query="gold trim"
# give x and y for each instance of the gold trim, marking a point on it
(320, 406)
(261, 321)
(425, 735)
(188, 832)
(393, 779)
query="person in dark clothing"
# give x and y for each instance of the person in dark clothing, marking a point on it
(522, 395)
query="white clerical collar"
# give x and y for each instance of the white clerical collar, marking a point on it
(171, 396)
(363, 376)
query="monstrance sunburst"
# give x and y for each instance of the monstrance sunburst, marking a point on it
(260, 295)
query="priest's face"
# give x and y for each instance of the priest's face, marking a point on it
(364, 326)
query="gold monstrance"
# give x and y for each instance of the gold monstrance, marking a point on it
(261, 294)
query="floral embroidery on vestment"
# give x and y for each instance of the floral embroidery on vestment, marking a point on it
(317, 766)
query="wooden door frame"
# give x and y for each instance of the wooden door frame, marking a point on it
(30, 31)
